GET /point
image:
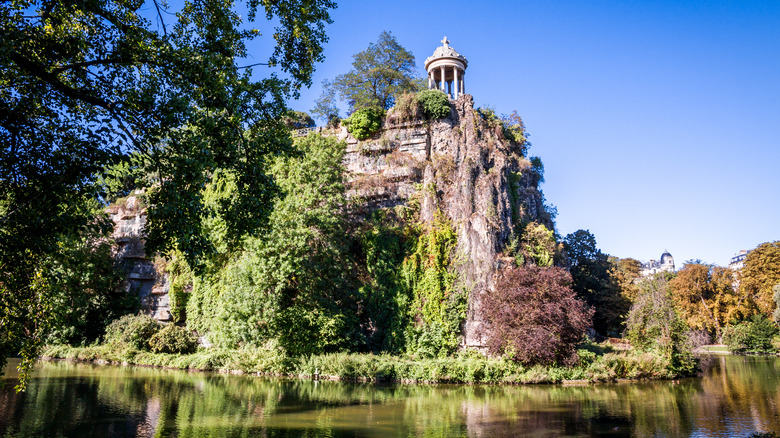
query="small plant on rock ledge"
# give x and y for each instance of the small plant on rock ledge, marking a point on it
(435, 104)
(364, 122)
(407, 107)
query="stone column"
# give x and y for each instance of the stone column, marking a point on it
(456, 85)
(463, 83)
(430, 80)
(443, 82)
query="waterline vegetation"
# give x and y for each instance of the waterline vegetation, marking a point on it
(595, 363)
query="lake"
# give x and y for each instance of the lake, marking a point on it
(735, 396)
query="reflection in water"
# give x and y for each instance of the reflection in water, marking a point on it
(736, 397)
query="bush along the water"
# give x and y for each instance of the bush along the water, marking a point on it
(653, 325)
(132, 331)
(173, 339)
(534, 317)
(754, 336)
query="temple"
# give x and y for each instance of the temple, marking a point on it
(447, 70)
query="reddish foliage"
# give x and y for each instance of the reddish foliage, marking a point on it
(534, 317)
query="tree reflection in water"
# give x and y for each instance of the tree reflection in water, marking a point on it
(737, 396)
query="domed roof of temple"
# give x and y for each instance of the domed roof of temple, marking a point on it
(445, 51)
(666, 256)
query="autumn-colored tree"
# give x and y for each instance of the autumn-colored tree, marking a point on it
(534, 317)
(693, 296)
(776, 291)
(705, 297)
(727, 306)
(760, 274)
(626, 272)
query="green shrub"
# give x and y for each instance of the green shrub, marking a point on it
(435, 104)
(736, 336)
(132, 331)
(173, 339)
(436, 306)
(754, 336)
(364, 122)
(489, 115)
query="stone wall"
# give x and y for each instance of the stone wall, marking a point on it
(143, 277)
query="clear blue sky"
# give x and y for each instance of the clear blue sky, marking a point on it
(657, 121)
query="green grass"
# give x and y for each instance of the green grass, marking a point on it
(714, 349)
(465, 367)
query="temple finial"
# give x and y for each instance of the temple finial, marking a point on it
(445, 41)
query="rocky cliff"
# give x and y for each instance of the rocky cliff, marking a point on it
(464, 167)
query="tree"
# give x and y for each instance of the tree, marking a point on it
(380, 73)
(87, 83)
(290, 286)
(653, 324)
(693, 295)
(625, 272)
(760, 274)
(705, 297)
(325, 107)
(534, 317)
(83, 285)
(726, 307)
(776, 315)
(298, 120)
(592, 281)
(514, 129)
(755, 335)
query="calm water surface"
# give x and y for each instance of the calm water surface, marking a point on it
(736, 397)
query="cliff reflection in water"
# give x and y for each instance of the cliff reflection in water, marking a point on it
(736, 397)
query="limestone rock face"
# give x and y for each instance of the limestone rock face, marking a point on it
(143, 277)
(468, 171)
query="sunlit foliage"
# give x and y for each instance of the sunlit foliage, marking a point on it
(380, 73)
(760, 274)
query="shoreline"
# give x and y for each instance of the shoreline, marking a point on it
(722, 350)
(608, 367)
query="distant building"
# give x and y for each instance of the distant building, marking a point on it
(738, 261)
(666, 264)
